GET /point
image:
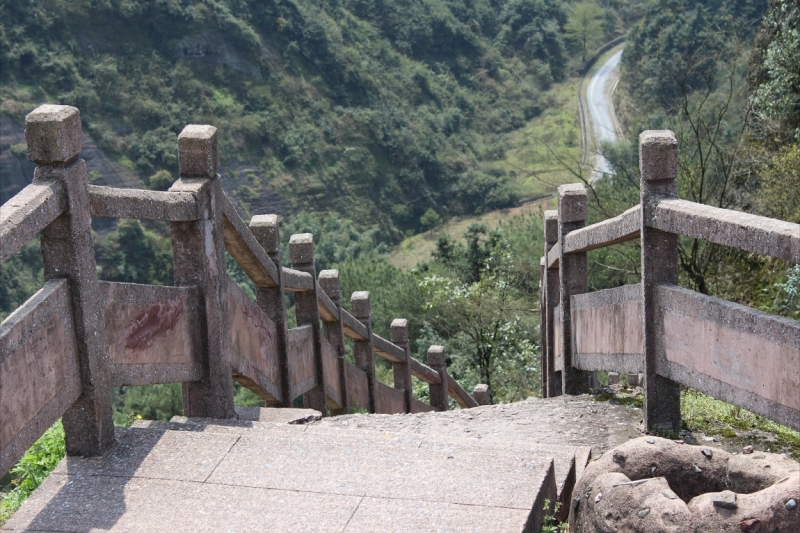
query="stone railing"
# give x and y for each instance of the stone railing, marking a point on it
(63, 349)
(671, 335)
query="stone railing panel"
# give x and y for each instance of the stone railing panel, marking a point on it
(762, 235)
(152, 333)
(330, 370)
(389, 400)
(244, 248)
(357, 388)
(457, 392)
(39, 370)
(420, 407)
(25, 215)
(253, 343)
(111, 202)
(732, 352)
(301, 360)
(624, 227)
(607, 328)
(424, 372)
(387, 350)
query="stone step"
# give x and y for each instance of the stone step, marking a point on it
(224, 476)
(569, 461)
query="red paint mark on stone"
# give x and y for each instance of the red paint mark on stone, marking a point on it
(152, 322)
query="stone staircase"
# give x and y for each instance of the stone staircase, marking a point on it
(283, 470)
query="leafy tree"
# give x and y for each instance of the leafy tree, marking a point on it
(479, 306)
(20, 277)
(135, 255)
(584, 25)
(161, 180)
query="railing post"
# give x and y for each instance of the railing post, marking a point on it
(481, 394)
(437, 357)
(301, 253)
(362, 350)
(267, 232)
(573, 274)
(551, 292)
(329, 282)
(199, 255)
(658, 162)
(54, 138)
(402, 371)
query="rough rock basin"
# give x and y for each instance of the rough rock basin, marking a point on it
(652, 484)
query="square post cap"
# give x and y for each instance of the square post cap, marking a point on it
(658, 155)
(481, 394)
(572, 203)
(399, 329)
(53, 134)
(436, 355)
(267, 232)
(198, 151)
(359, 304)
(329, 282)
(301, 248)
(551, 226)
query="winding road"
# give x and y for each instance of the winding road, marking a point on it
(600, 109)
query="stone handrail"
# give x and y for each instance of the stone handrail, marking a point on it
(667, 335)
(63, 349)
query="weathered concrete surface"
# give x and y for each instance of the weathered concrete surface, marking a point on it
(478, 470)
(389, 400)
(28, 213)
(607, 327)
(733, 352)
(113, 202)
(652, 485)
(39, 373)
(624, 227)
(152, 333)
(301, 360)
(762, 235)
(253, 341)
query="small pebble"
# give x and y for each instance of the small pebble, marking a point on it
(669, 494)
(651, 441)
(709, 439)
(791, 505)
(598, 497)
(751, 525)
(747, 449)
(696, 469)
(644, 512)
(708, 453)
(725, 500)
(653, 470)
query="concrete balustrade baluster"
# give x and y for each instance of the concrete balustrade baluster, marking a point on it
(658, 163)
(267, 232)
(54, 138)
(362, 350)
(402, 371)
(199, 255)
(573, 277)
(332, 331)
(437, 360)
(301, 253)
(551, 298)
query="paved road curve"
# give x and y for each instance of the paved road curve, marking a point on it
(601, 109)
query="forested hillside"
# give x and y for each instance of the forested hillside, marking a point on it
(380, 110)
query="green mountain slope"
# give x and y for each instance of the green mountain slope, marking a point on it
(379, 110)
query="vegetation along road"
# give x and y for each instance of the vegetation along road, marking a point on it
(601, 110)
